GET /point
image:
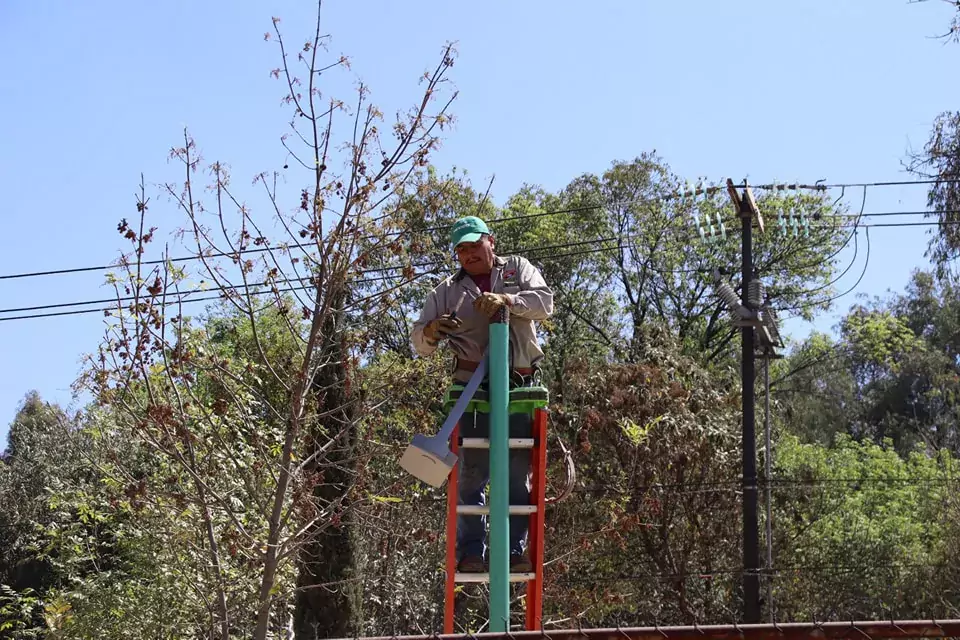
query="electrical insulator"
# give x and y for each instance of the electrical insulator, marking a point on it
(755, 293)
(728, 295)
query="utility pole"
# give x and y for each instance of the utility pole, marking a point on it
(758, 325)
(747, 209)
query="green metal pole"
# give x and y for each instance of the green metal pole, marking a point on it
(499, 473)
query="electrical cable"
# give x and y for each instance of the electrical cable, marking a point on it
(856, 284)
(817, 187)
(299, 245)
(844, 185)
(399, 267)
(436, 263)
(235, 287)
(853, 235)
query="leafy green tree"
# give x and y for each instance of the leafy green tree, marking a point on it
(939, 160)
(893, 373)
(814, 391)
(42, 451)
(868, 527)
(39, 447)
(659, 271)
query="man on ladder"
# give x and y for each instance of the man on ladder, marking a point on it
(459, 309)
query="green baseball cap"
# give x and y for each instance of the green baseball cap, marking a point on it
(468, 229)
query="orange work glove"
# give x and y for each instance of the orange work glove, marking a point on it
(490, 303)
(440, 327)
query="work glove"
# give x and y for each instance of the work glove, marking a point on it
(440, 327)
(490, 303)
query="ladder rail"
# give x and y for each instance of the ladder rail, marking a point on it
(534, 614)
(534, 580)
(450, 587)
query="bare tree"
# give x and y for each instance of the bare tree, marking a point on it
(953, 32)
(252, 413)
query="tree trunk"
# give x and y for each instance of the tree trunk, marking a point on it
(325, 609)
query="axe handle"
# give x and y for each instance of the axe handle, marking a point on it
(461, 405)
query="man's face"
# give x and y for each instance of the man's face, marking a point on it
(476, 258)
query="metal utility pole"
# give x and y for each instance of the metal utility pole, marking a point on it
(747, 209)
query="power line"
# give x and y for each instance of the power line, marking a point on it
(371, 270)
(879, 214)
(856, 284)
(224, 254)
(182, 300)
(434, 264)
(298, 245)
(771, 187)
(853, 261)
(817, 186)
(532, 250)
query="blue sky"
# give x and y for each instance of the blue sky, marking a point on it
(96, 93)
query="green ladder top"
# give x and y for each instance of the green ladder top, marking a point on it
(522, 399)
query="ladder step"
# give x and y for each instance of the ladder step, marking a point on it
(484, 443)
(478, 510)
(485, 577)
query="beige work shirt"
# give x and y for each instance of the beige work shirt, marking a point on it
(512, 275)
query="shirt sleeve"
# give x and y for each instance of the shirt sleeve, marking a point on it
(534, 301)
(430, 311)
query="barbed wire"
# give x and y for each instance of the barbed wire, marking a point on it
(737, 571)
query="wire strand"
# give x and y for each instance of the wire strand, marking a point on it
(532, 250)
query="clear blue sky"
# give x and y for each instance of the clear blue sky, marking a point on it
(96, 93)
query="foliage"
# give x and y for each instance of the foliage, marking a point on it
(254, 438)
(860, 522)
(662, 273)
(236, 474)
(939, 161)
(43, 454)
(656, 506)
(19, 613)
(401, 557)
(893, 373)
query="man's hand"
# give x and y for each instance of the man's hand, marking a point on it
(490, 303)
(442, 326)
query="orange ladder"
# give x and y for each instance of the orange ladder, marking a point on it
(534, 579)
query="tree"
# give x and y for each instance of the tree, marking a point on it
(259, 441)
(660, 272)
(864, 525)
(953, 31)
(815, 391)
(41, 452)
(651, 533)
(940, 161)
(893, 372)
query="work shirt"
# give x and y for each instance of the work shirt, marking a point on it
(512, 275)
